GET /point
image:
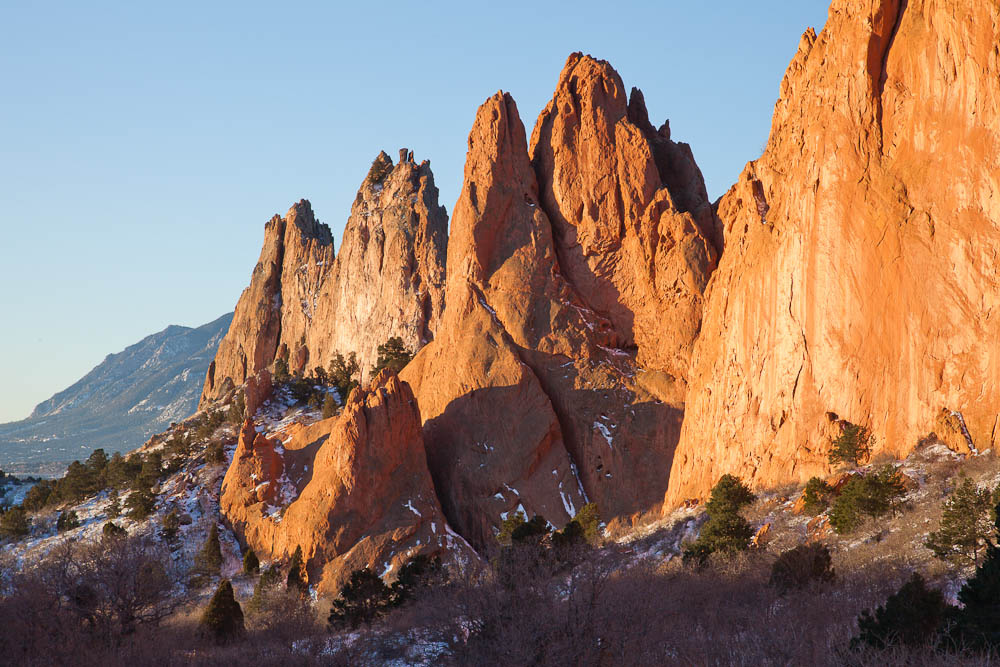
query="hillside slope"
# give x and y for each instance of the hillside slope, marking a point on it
(119, 404)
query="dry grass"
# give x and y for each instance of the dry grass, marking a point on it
(630, 603)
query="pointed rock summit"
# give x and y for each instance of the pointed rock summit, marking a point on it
(635, 232)
(303, 302)
(532, 396)
(294, 262)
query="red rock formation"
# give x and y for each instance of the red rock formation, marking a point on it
(357, 492)
(523, 370)
(859, 271)
(259, 465)
(635, 232)
(258, 389)
(389, 276)
(387, 281)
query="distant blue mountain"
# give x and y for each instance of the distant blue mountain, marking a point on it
(119, 404)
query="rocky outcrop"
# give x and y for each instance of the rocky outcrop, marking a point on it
(387, 280)
(389, 276)
(635, 232)
(353, 491)
(859, 274)
(530, 396)
(277, 306)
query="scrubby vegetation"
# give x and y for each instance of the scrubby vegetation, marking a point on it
(866, 496)
(393, 354)
(853, 445)
(726, 530)
(834, 586)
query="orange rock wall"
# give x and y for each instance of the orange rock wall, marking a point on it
(859, 275)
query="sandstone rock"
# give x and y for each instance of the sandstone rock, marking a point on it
(387, 280)
(759, 540)
(859, 267)
(389, 276)
(258, 389)
(818, 528)
(257, 465)
(518, 339)
(363, 496)
(635, 232)
(799, 506)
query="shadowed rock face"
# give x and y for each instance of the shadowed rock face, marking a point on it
(530, 396)
(387, 280)
(859, 276)
(355, 490)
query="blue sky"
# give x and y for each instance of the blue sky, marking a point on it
(144, 145)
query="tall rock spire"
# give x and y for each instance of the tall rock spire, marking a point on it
(635, 231)
(387, 280)
(263, 319)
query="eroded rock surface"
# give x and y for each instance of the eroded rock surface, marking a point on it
(859, 274)
(531, 396)
(303, 301)
(353, 491)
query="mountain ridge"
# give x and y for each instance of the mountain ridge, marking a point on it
(119, 403)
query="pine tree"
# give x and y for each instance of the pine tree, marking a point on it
(208, 562)
(67, 520)
(853, 445)
(152, 468)
(873, 495)
(112, 531)
(15, 523)
(816, 496)
(215, 453)
(965, 525)
(281, 370)
(114, 504)
(236, 410)
(343, 374)
(530, 531)
(393, 355)
(140, 503)
(267, 583)
(509, 525)
(251, 565)
(223, 618)
(329, 406)
(171, 524)
(589, 520)
(976, 625)
(912, 616)
(417, 574)
(296, 580)
(364, 598)
(726, 530)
